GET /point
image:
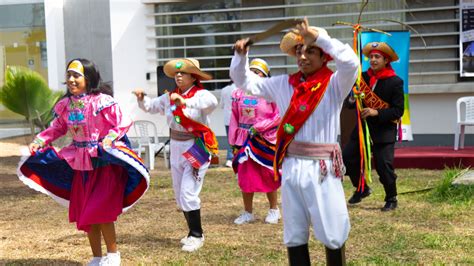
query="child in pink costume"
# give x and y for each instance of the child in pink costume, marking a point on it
(97, 176)
(252, 116)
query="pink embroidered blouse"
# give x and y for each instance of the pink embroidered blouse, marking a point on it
(251, 111)
(88, 118)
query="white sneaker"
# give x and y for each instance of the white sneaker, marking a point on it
(112, 259)
(273, 216)
(193, 243)
(184, 240)
(228, 163)
(95, 261)
(245, 217)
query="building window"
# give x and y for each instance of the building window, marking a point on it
(207, 30)
(23, 35)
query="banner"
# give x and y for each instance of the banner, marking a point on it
(400, 42)
(466, 45)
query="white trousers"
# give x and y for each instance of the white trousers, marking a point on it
(186, 187)
(307, 201)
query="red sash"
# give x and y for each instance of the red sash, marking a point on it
(306, 98)
(197, 129)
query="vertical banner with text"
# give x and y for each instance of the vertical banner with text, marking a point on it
(466, 45)
(400, 42)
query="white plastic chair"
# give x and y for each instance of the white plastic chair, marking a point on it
(462, 123)
(149, 143)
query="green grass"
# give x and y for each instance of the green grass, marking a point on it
(445, 191)
(429, 227)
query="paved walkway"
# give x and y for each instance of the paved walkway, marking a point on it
(466, 178)
(13, 132)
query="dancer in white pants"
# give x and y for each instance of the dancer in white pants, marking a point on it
(307, 147)
(187, 110)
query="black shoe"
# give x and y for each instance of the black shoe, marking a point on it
(357, 196)
(389, 205)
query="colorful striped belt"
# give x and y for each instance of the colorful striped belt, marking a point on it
(246, 126)
(321, 152)
(85, 144)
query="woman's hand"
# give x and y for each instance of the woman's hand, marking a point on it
(34, 147)
(107, 143)
(140, 93)
(177, 99)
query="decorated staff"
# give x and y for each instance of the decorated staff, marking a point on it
(192, 144)
(307, 148)
(379, 102)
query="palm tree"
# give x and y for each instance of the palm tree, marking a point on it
(25, 92)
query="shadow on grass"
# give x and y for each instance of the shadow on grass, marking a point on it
(149, 241)
(12, 187)
(10, 161)
(365, 207)
(38, 262)
(219, 219)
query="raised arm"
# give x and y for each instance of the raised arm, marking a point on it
(347, 64)
(153, 106)
(244, 78)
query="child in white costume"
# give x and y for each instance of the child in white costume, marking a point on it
(187, 110)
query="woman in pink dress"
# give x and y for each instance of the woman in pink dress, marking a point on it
(252, 131)
(97, 176)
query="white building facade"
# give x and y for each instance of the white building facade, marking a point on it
(128, 39)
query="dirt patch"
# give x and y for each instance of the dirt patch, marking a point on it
(12, 146)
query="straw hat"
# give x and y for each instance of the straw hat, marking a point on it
(293, 38)
(187, 65)
(380, 46)
(261, 65)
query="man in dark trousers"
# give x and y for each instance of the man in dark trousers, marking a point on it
(383, 106)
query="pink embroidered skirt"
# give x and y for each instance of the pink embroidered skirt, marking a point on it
(118, 180)
(253, 177)
(97, 196)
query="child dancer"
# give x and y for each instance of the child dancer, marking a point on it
(97, 176)
(192, 142)
(252, 131)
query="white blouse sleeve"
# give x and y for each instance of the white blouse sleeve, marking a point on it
(244, 78)
(203, 100)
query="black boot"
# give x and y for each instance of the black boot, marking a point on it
(390, 204)
(195, 228)
(299, 255)
(186, 216)
(358, 196)
(336, 257)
